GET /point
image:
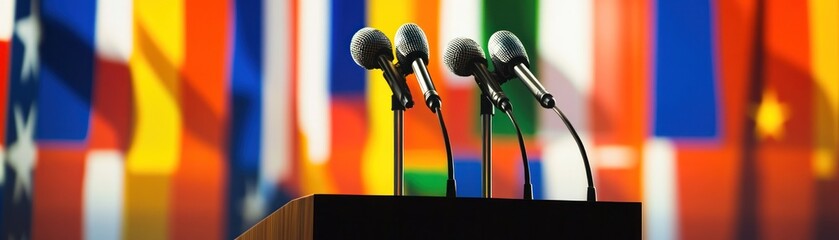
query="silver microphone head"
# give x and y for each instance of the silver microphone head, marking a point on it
(366, 46)
(411, 43)
(506, 50)
(460, 54)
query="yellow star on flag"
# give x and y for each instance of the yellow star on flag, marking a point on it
(770, 117)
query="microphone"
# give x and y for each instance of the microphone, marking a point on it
(412, 56)
(412, 48)
(371, 49)
(510, 60)
(464, 57)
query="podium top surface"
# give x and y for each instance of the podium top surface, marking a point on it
(328, 216)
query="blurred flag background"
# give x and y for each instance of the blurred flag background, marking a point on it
(193, 119)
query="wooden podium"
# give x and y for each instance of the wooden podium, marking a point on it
(391, 217)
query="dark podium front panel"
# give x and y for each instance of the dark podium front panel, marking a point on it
(390, 217)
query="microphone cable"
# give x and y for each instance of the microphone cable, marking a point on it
(591, 196)
(451, 185)
(528, 187)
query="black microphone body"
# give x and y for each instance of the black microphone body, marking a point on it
(464, 57)
(490, 87)
(371, 49)
(396, 81)
(510, 60)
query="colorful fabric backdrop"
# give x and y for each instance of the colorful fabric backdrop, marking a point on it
(193, 119)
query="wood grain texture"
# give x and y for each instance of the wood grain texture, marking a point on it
(292, 221)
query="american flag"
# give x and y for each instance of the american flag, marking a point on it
(188, 119)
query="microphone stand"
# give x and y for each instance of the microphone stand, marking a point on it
(487, 111)
(398, 145)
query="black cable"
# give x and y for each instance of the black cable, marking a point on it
(451, 186)
(528, 187)
(591, 196)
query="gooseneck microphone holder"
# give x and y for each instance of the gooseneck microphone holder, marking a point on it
(451, 185)
(398, 145)
(591, 195)
(487, 111)
(528, 187)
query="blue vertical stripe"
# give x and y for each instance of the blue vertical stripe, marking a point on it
(685, 92)
(344, 75)
(537, 178)
(467, 173)
(247, 85)
(66, 69)
(246, 102)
